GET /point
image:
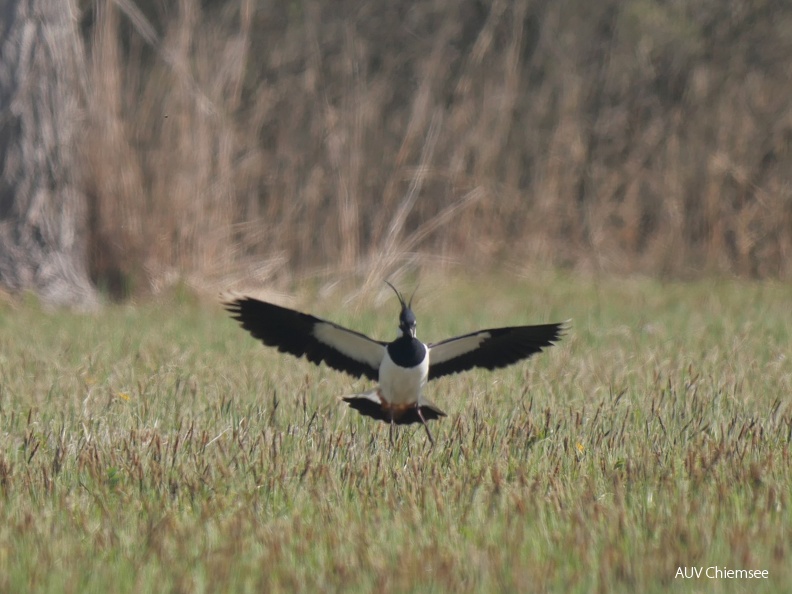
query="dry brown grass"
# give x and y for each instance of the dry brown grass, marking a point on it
(237, 139)
(160, 448)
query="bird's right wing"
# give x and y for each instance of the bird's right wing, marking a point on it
(490, 349)
(301, 334)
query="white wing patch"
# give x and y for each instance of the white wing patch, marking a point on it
(353, 345)
(455, 347)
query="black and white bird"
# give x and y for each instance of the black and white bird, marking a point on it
(401, 367)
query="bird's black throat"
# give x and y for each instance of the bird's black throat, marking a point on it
(407, 351)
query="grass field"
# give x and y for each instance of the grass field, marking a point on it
(158, 447)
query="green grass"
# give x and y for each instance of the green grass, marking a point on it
(159, 448)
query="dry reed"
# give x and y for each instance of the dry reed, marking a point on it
(228, 139)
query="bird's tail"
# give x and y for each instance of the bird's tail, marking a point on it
(370, 404)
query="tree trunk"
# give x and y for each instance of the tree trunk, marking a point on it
(42, 207)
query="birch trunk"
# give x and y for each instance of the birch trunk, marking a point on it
(42, 207)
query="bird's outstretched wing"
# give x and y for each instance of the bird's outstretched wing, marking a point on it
(490, 349)
(301, 334)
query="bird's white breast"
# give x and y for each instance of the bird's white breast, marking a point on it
(400, 385)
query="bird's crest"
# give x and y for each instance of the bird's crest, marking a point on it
(406, 317)
(404, 305)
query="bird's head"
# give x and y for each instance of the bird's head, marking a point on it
(407, 321)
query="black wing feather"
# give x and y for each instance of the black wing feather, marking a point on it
(491, 349)
(293, 332)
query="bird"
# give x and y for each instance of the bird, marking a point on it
(402, 367)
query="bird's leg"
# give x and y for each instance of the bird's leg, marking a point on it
(390, 433)
(428, 433)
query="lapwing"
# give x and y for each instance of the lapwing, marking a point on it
(401, 367)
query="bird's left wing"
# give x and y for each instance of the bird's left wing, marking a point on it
(490, 349)
(301, 334)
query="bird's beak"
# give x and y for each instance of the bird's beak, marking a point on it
(406, 330)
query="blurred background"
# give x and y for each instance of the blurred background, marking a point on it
(216, 141)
